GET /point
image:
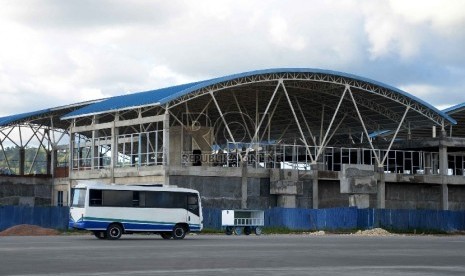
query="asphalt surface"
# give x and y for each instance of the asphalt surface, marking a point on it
(234, 255)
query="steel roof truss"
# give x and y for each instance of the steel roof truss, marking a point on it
(394, 137)
(364, 127)
(297, 121)
(321, 148)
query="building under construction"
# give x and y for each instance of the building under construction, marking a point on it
(305, 138)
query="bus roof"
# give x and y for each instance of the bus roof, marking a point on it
(133, 187)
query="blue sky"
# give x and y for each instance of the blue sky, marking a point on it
(61, 52)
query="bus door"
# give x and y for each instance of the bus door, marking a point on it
(193, 208)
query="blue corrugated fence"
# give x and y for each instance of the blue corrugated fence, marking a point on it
(48, 217)
(353, 218)
(291, 218)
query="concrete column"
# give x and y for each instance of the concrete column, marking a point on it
(54, 161)
(50, 168)
(114, 150)
(71, 155)
(444, 197)
(22, 157)
(381, 191)
(95, 152)
(315, 168)
(315, 201)
(443, 162)
(244, 185)
(166, 146)
(287, 201)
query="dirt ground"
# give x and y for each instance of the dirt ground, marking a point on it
(28, 230)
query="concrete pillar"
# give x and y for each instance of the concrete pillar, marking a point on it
(166, 146)
(443, 161)
(381, 191)
(315, 168)
(287, 201)
(315, 201)
(244, 185)
(444, 197)
(50, 167)
(71, 154)
(22, 157)
(54, 161)
(95, 152)
(114, 150)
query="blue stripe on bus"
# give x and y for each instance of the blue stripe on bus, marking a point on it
(129, 225)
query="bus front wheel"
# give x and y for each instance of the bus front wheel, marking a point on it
(179, 232)
(114, 231)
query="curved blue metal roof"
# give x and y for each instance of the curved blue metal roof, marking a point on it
(454, 108)
(4, 121)
(165, 95)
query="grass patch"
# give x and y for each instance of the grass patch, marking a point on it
(212, 231)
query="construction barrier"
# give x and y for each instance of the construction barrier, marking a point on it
(47, 217)
(332, 219)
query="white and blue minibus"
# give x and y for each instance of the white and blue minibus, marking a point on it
(112, 210)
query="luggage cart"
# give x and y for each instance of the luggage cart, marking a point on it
(243, 221)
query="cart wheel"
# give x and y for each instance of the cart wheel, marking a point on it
(238, 231)
(247, 230)
(229, 230)
(258, 230)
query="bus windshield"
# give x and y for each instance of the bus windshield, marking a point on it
(78, 197)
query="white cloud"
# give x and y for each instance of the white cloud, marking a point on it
(59, 52)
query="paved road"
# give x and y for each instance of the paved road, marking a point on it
(233, 255)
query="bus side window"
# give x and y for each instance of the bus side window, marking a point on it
(135, 199)
(95, 197)
(142, 199)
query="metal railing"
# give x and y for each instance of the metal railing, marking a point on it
(248, 221)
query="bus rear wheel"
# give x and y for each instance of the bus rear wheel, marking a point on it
(179, 232)
(114, 231)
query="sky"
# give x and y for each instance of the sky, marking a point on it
(54, 53)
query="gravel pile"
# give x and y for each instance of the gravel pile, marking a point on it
(318, 233)
(373, 232)
(29, 230)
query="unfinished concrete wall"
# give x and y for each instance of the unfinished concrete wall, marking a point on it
(28, 191)
(216, 192)
(413, 196)
(456, 197)
(330, 196)
(226, 192)
(305, 199)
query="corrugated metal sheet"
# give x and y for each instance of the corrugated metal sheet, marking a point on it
(48, 217)
(294, 219)
(211, 218)
(165, 95)
(130, 101)
(351, 218)
(4, 121)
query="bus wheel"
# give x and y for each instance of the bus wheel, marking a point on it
(114, 231)
(247, 230)
(229, 230)
(258, 230)
(166, 235)
(179, 232)
(100, 234)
